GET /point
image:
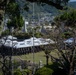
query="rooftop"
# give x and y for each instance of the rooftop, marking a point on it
(33, 41)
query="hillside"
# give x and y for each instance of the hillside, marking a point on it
(72, 4)
(40, 10)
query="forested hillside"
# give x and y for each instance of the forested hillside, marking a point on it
(40, 9)
(72, 4)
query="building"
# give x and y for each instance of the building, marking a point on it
(15, 47)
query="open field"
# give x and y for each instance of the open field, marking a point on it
(37, 57)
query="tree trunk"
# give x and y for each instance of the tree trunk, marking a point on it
(10, 65)
(3, 67)
(71, 71)
(47, 59)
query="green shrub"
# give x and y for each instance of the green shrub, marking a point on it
(17, 72)
(22, 35)
(56, 68)
(38, 34)
(67, 35)
(26, 72)
(16, 64)
(4, 33)
(44, 71)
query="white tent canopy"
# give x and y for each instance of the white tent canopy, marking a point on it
(33, 41)
(70, 40)
(10, 37)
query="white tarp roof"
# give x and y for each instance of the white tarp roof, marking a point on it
(70, 40)
(28, 42)
(9, 37)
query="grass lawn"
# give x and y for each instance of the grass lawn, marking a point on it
(37, 57)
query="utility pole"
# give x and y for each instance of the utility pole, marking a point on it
(33, 38)
(10, 56)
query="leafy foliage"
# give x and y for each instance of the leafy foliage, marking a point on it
(22, 35)
(44, 71)
(15, 19)
(68, 18)
(66, 23)
(13, 9)
(55, 67)
(16, 22)
(26, 72)
(18, 72)
(4, 33)
(23, 72)
(66, 35)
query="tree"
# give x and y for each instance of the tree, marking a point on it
(67, 18)
(65, 52)
(15, 18)
(47, 52)
(16, 22)
(12, 8)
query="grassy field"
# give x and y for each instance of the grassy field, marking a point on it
(37, 57)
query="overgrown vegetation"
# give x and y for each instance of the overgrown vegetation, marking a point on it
(44, 71)
(66, 60)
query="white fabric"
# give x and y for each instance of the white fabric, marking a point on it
(33, 41)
